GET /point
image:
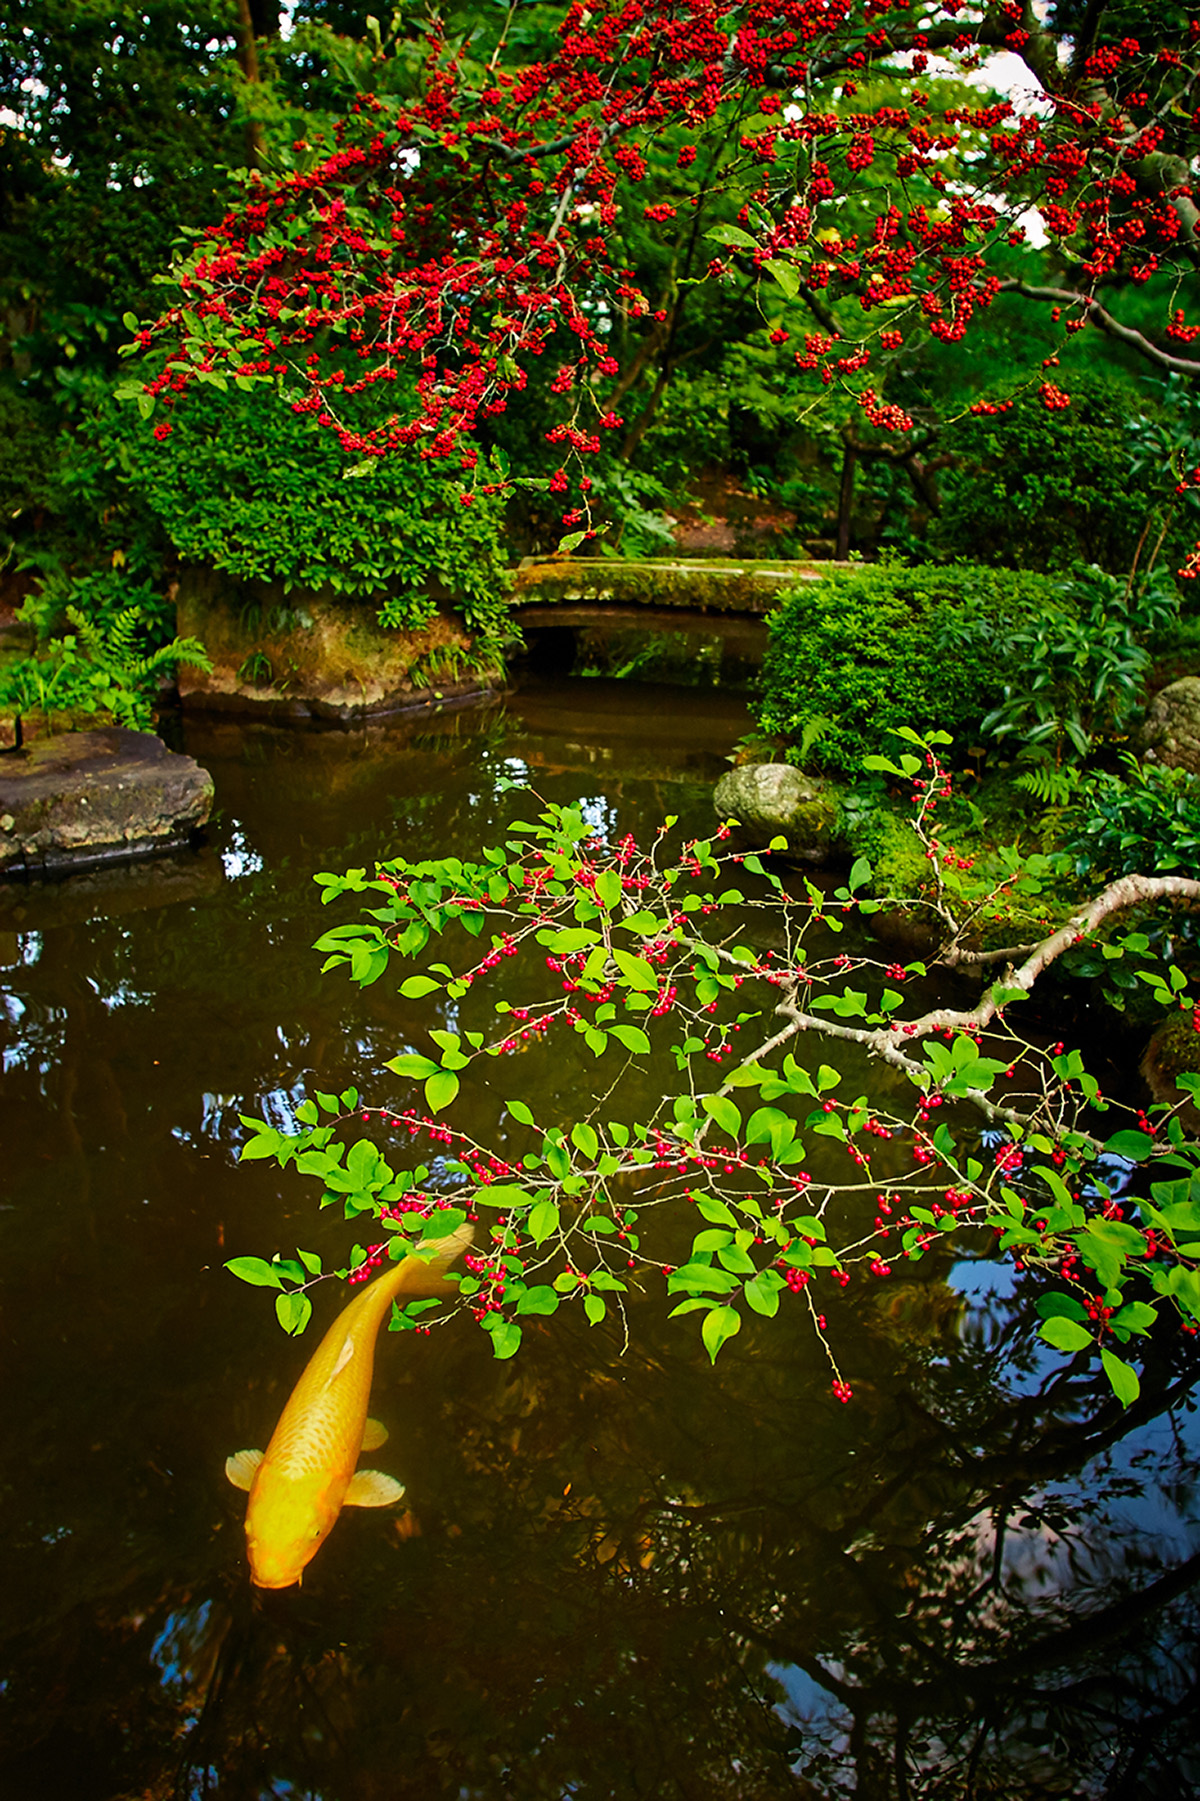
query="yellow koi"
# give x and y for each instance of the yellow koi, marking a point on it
(307, 1474)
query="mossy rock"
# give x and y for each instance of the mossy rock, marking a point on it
(1173, 1051)
(1171, 732)
(313, 655)
(773, 800)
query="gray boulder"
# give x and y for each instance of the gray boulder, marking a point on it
(772, 800)
(1170, 733)
(82, 799)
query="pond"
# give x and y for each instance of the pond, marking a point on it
(616, 1572)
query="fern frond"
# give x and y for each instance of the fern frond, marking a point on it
(1049, 786)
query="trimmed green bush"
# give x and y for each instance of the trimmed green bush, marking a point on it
(865, 650)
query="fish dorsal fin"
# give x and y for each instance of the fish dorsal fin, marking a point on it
(371, 1488)
(344, 1356)
(375, 1433)
(241, 1466)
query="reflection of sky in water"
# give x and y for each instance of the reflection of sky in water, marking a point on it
(1128, 1487)
(123, 995)
(176, 1646)
(39, 1041)
(239, 857)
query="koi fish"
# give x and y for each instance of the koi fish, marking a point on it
(307, 1474)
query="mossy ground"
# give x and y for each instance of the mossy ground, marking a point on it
(979, 826)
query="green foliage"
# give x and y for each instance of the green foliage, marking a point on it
(885, 646)
(569, 1208)
(1038, 489)
(1078, 670)
(1145, 821)
(97, 669)
(251, 488)
(28, 461)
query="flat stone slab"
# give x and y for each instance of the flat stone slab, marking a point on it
(84, 799)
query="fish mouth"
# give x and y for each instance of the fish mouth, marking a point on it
(267, 1574)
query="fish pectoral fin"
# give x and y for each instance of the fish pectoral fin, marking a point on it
(371, 1488)
(241, 1466)
(375, 1433)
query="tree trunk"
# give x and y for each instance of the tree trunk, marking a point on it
(845, 502)
(247, 55)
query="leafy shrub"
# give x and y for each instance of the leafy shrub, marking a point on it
(1145, 822)
(251, 488)
(1038, 489)
(1079, 670)
(885, 646)
(96, 670)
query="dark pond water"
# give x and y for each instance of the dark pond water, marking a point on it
(614, 1575)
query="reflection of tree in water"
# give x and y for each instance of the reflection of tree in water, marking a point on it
(628, 1581)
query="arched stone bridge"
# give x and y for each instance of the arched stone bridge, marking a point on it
(726, 597)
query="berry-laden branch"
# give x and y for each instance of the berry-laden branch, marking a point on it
(631, 975)
(444, 248)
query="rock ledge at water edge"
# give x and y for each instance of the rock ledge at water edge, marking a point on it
(82, 799)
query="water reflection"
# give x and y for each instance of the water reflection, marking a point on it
(614, 1576)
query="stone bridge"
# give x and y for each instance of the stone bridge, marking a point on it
(727, 597)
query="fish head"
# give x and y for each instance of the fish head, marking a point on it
(287, 1521)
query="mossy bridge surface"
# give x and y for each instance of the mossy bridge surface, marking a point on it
(729, 596)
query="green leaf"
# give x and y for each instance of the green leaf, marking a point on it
(637, 971)
(440, 1090)
(720, 1108)
(416, 986)
(784, 273)
(506, 1338)
(541, 1299)
(595, 1308)
(715, 1211)
(584, 1139)
(1134, 1145)
(1061, 1306)
(293, 1312)
(264, 1144)
(520, 1111)
(720, 1325)
(763, 1292)
(1065, 1334)
(1125, 1384)
(543, 1220)
(255, 1270)
(733, 236)
(632, 1037)
(420, 1067)
(608, 888)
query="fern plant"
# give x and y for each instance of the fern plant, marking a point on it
(100, 669)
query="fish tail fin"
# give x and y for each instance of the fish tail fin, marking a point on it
(423, 1272)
